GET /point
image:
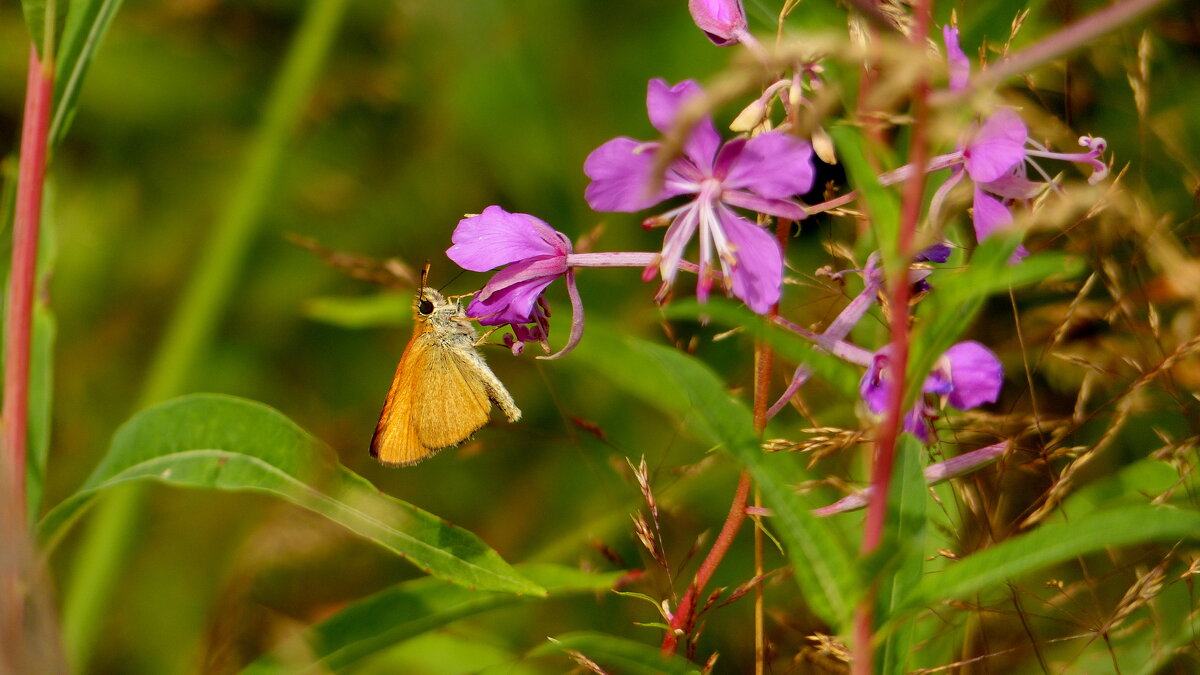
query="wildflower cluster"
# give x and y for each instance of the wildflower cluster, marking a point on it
(725, 193)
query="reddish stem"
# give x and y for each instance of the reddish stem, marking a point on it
(684, 617)
(19, 310)
(889, 430)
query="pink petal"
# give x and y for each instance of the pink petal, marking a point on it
(774, 165)
(497, 237)
(620, 173)
(663, 103)
(758, 269)
(997, 146)
(510, 295)
(975, 373)
(723, 21)
(956, 61)
(989, 214)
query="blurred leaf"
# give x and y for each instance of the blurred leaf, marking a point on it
(35, 12)
(87, 22)
(382, 309)
(681, 386)
(624, 656)
(226, 443)
(406, 610)
(882, 204)
(906, 526)
(838, 373)
(1054, 543)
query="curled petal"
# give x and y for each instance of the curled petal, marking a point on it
(620, 173)
(510, 295)
(497, 237)
(997, 146)
(956, 61)
(662, 105)
(775, 165)
(757, 270)
(1012, 185)
(723, 21)
(576, 318)
(939, 197)
(975, 374)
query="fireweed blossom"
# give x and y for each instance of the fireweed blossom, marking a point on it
(996, 158)
(723, 21)
(761, 174)
(532, 255)
(967, 375)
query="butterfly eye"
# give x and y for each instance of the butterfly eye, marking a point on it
(425, 307)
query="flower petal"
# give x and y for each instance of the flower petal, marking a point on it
(997, 146)
(723, 21)
(975, 373)
(989, 214)
(939, 252)
(775, 165)
(675, 241)
(956, 61)
(780, 208)
(875, 383)
(576, 318)
(758, 262)
(663, 103)
(497, 237)
(510, 295)
(620, 173)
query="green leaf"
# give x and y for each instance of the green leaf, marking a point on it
(881, 203)
(226, 443)
(382, 309)
(87, 23)
(620, 654)
(686, 389)
(1054, 543)
(36, 14)
(412, 608)
(947, 312)
(793, 347)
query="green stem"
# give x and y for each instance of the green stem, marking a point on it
(107, 542)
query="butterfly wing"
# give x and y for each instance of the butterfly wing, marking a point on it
(434, 402)
(452, 402)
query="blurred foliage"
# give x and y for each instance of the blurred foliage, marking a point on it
(429, 110)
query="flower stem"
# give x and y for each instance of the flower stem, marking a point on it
(18, 319)
(684, 617)
(889, 430)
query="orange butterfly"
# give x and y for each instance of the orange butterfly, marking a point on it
(443, 390)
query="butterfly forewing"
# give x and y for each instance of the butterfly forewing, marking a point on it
(451, 402)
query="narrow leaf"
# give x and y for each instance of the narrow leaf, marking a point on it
(412, 608)
(226, 443)
(1054, 543)
(87, 22)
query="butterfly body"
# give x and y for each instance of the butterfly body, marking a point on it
(443, 389)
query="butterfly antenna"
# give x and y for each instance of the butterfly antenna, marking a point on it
(424, 277)
(452, 279)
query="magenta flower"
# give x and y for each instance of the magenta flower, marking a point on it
(761, 174)
(996, 158)
(967, 375)
(723, 21)
(534, 254)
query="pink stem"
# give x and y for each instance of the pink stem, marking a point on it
(889, 430)
(19, 312)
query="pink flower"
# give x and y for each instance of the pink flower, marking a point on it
(761, 174)
(968, 375)
(723, 21)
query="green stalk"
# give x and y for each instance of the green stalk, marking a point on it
(109, 539)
